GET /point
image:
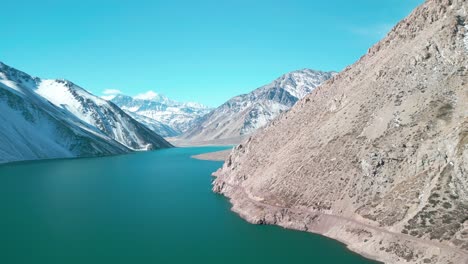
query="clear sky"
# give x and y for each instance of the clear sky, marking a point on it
(204, 50)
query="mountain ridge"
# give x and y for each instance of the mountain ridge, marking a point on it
(173, 117)
(245, 113)
(71, 120)
(376, 156)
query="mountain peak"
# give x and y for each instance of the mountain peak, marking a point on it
(196, 105)
(149, 95)
(65, 82)
(174, 116)
(244, 114)
(301, 82)
(306, 70)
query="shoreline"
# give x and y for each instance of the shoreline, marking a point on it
(374, 243)
(221, 155)
(178, 142)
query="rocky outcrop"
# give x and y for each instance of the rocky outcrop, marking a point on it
(377, 157)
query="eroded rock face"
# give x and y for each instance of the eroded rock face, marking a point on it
(381, 147)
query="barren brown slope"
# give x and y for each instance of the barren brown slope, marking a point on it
(377, 157)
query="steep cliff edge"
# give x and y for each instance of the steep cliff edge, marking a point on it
(377, 157)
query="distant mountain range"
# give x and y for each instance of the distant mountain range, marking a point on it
(165, 116)
(56, 119)
(244, 114)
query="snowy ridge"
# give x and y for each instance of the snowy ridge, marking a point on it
(244, 114)
(98, 113)
(55, 119)
(175, 117)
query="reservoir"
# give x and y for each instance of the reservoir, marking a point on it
(148, 207)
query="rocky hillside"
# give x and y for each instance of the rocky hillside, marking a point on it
(57, 119)
(377, 157)
(244, 114)
(167, 117)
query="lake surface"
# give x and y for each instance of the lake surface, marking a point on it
(153, 207)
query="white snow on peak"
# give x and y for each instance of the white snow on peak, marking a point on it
(174, 117)
(56, 93)
(302, 82)
(109, 94)
(150, 95)
(244, 114)
(195, 105)
(56, 118)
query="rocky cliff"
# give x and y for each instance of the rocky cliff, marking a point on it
(377, 157)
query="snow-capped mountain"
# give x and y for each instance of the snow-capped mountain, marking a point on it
(56, 118)
(158, 127)
(175, 117)
(244, 114)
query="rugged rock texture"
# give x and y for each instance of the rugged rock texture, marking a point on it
(377, 157)
(244, 114)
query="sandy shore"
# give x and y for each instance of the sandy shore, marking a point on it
(215, 156)
(197, 143)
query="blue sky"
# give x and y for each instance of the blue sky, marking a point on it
(205, 50)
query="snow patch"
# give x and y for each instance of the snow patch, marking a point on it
(195, 105)
(171, 116)
(56, 93)
(108, 97)
(90, 109)
(17, 133)
(10, 84)
(131, 109)
(150, 95)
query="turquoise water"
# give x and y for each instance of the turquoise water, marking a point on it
(153, 207)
